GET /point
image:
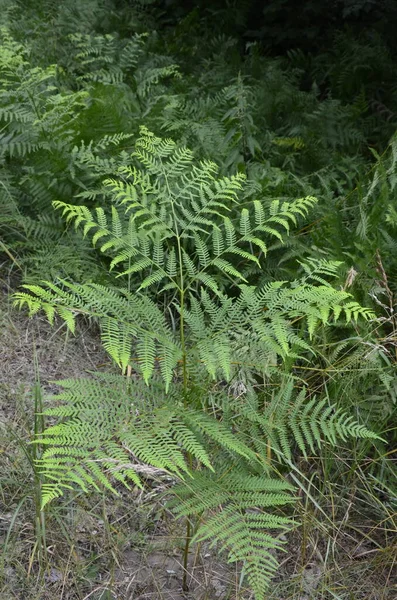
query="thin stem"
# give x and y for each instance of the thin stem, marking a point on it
(188, 534)
(188, 537)
(39, 426)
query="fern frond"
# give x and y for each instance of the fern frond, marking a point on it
(238, 519)
(294, 419)
(133, 423)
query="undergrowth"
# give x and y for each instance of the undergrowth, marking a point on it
(225, 219)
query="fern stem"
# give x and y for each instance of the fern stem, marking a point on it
(188, 537)
(36, 453)
(181, 288)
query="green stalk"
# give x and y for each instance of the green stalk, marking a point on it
(36, 452)
(188, 534)
(188, 537)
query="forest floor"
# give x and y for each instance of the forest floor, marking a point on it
(128, 547)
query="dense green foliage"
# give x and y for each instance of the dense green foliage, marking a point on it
(228, 220)
(169, 230)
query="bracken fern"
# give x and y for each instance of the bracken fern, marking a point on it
(185, 318)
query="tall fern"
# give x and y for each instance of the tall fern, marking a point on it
(185, 317)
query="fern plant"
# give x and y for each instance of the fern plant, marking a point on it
(183, 318)
(47, 137)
